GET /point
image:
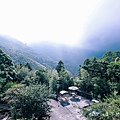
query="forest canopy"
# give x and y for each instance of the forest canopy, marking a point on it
(22, 86)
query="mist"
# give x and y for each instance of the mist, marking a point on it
(103, 28)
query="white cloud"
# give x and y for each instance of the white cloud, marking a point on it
(37, 20)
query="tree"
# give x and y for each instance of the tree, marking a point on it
(64, 77)
(22, 71)
(85, 81)
(107, 110)
(101, 87)
(30, 78)
(41, 77)
(113, 71)
(111, 56)
(94, 77)
(101, 76)
(26, 101)
(53, 81)
(59, 66)
(7, 70)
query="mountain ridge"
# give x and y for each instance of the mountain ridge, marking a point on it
(72, 57)
(20, 52)
(47, 54)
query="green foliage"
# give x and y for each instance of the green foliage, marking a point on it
(108, 110)
(101, 76)
(26, 101)
(41, 77)
(101, 88)
(64, 77)
(7, 70)
(111, 56)
(21, 53)
(59, 66)
(113, 71)
(23, 71)
(65, 80)
(85, 82)
(53, 81)
(23, 101)
(60, 79)
(30, 78)
(9, 85)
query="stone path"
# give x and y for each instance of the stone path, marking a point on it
(69, 111)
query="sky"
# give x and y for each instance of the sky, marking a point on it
(84, 23)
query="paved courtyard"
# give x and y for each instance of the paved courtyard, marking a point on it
(69, 111)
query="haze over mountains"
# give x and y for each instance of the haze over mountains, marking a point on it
(47, 54)
(20, 52)
(71, 56)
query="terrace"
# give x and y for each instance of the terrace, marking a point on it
(70, 108)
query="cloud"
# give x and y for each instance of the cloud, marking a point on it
(93, 24)
(103, 29)
(36, 20)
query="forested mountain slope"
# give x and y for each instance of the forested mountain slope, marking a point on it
(47, 54)
(71, 56)
(20, 52)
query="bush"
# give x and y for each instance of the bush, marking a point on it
(26, 101)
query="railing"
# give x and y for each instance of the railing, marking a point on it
(84, 94)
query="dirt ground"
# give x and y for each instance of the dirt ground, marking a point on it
(70, 111)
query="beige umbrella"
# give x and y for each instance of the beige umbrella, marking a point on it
(73, 88)
(63, 92)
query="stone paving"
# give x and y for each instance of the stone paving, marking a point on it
(69, 111)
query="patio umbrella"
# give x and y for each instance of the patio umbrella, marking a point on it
(73, 88)
(63, 92)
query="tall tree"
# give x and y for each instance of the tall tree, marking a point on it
(64, 77)
(7, 70)
(59, 66)
(104, 74)
(85, 81)
(26, 101)
(41, 77)
(107, 110)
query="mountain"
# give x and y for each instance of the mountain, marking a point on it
(22, 53)
(72, 57)
(47, 54)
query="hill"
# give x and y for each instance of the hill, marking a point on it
(71, 56)
(22, 53)
(47, 54)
